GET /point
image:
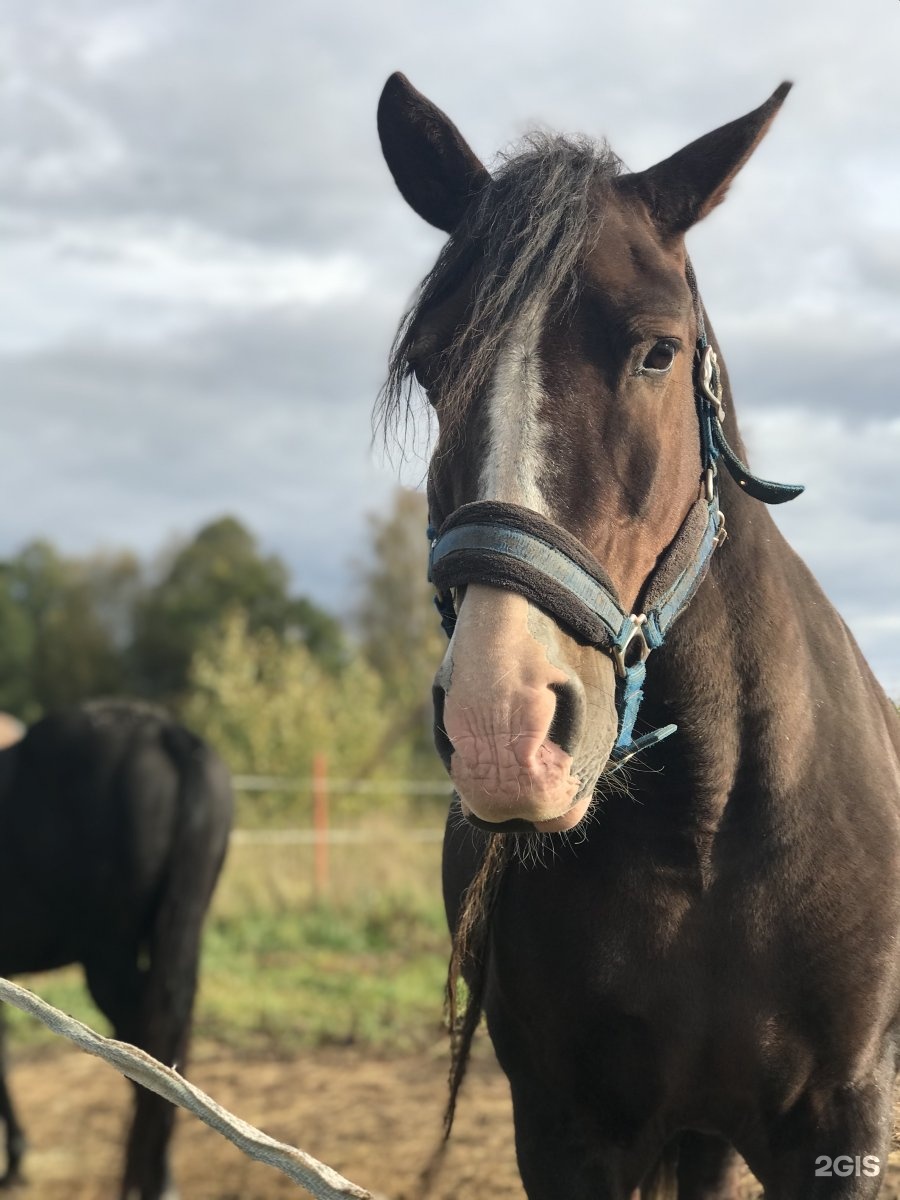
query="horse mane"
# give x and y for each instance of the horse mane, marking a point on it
(524, 234)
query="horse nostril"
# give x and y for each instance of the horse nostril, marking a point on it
(442, 742)
(562, 727)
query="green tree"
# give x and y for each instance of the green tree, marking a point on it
(318, 630)
(16, 650)
(400, 630)
(115, 583)
(59, 650)
(269, 708)
(221, 569)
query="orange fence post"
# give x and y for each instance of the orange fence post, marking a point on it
(320, 825)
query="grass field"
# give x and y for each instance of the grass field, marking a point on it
(364, 964)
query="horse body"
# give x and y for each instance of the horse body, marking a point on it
(708, 962)
(714, 960)
(114, 822)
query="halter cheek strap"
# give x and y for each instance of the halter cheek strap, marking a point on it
(511, 547)
(711, 411)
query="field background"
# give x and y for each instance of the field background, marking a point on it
(319, 1016)
(284, 970)
(318, 1019)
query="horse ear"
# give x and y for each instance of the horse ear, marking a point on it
(431, 162)
(682, 189)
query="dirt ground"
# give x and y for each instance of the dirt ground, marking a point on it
(375, 1120)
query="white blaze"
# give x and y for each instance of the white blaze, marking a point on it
(515, 452)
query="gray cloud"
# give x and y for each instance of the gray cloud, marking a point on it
(266, 415)
(202, 257)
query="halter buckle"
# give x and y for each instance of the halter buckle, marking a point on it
(709, 371)
(636, 633)
(721, 532)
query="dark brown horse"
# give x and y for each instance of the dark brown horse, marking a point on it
(704, 958)
(114, 822)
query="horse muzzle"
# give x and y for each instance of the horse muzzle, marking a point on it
(513, 715)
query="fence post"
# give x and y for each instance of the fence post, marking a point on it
(320, 825)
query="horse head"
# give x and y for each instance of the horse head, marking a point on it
(556, 338)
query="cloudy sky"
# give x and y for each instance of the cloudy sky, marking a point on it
(202, 257)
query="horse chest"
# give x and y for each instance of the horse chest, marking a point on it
(664, 1003)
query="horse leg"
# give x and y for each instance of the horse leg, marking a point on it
(559, 1154)
(15, 1138)
(118, 986)
(834, 1147)
(147, 1175)
(708, 1167)
(556, 1159)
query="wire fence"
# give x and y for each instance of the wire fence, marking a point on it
(321, 835)
(344, 787)
(334, 837)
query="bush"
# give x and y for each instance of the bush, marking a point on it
(269, 707)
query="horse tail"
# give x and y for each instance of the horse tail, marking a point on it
(168, 983)
(199, 842)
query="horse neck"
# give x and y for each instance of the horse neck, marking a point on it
(757, 654)
(750, 670)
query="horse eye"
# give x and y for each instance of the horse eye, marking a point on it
(659, 360)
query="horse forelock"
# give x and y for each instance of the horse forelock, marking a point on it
(520, 241)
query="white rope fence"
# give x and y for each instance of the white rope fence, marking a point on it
(318, 1178)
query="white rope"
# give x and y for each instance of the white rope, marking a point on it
(318, 1179)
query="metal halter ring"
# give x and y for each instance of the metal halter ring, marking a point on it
(709, 370)
(634, 634)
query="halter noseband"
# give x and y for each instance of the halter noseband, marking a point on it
(511, 547)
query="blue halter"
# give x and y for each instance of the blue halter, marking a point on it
(508, 546)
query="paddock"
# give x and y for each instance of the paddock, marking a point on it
(371, 1117)
(371, 1109)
